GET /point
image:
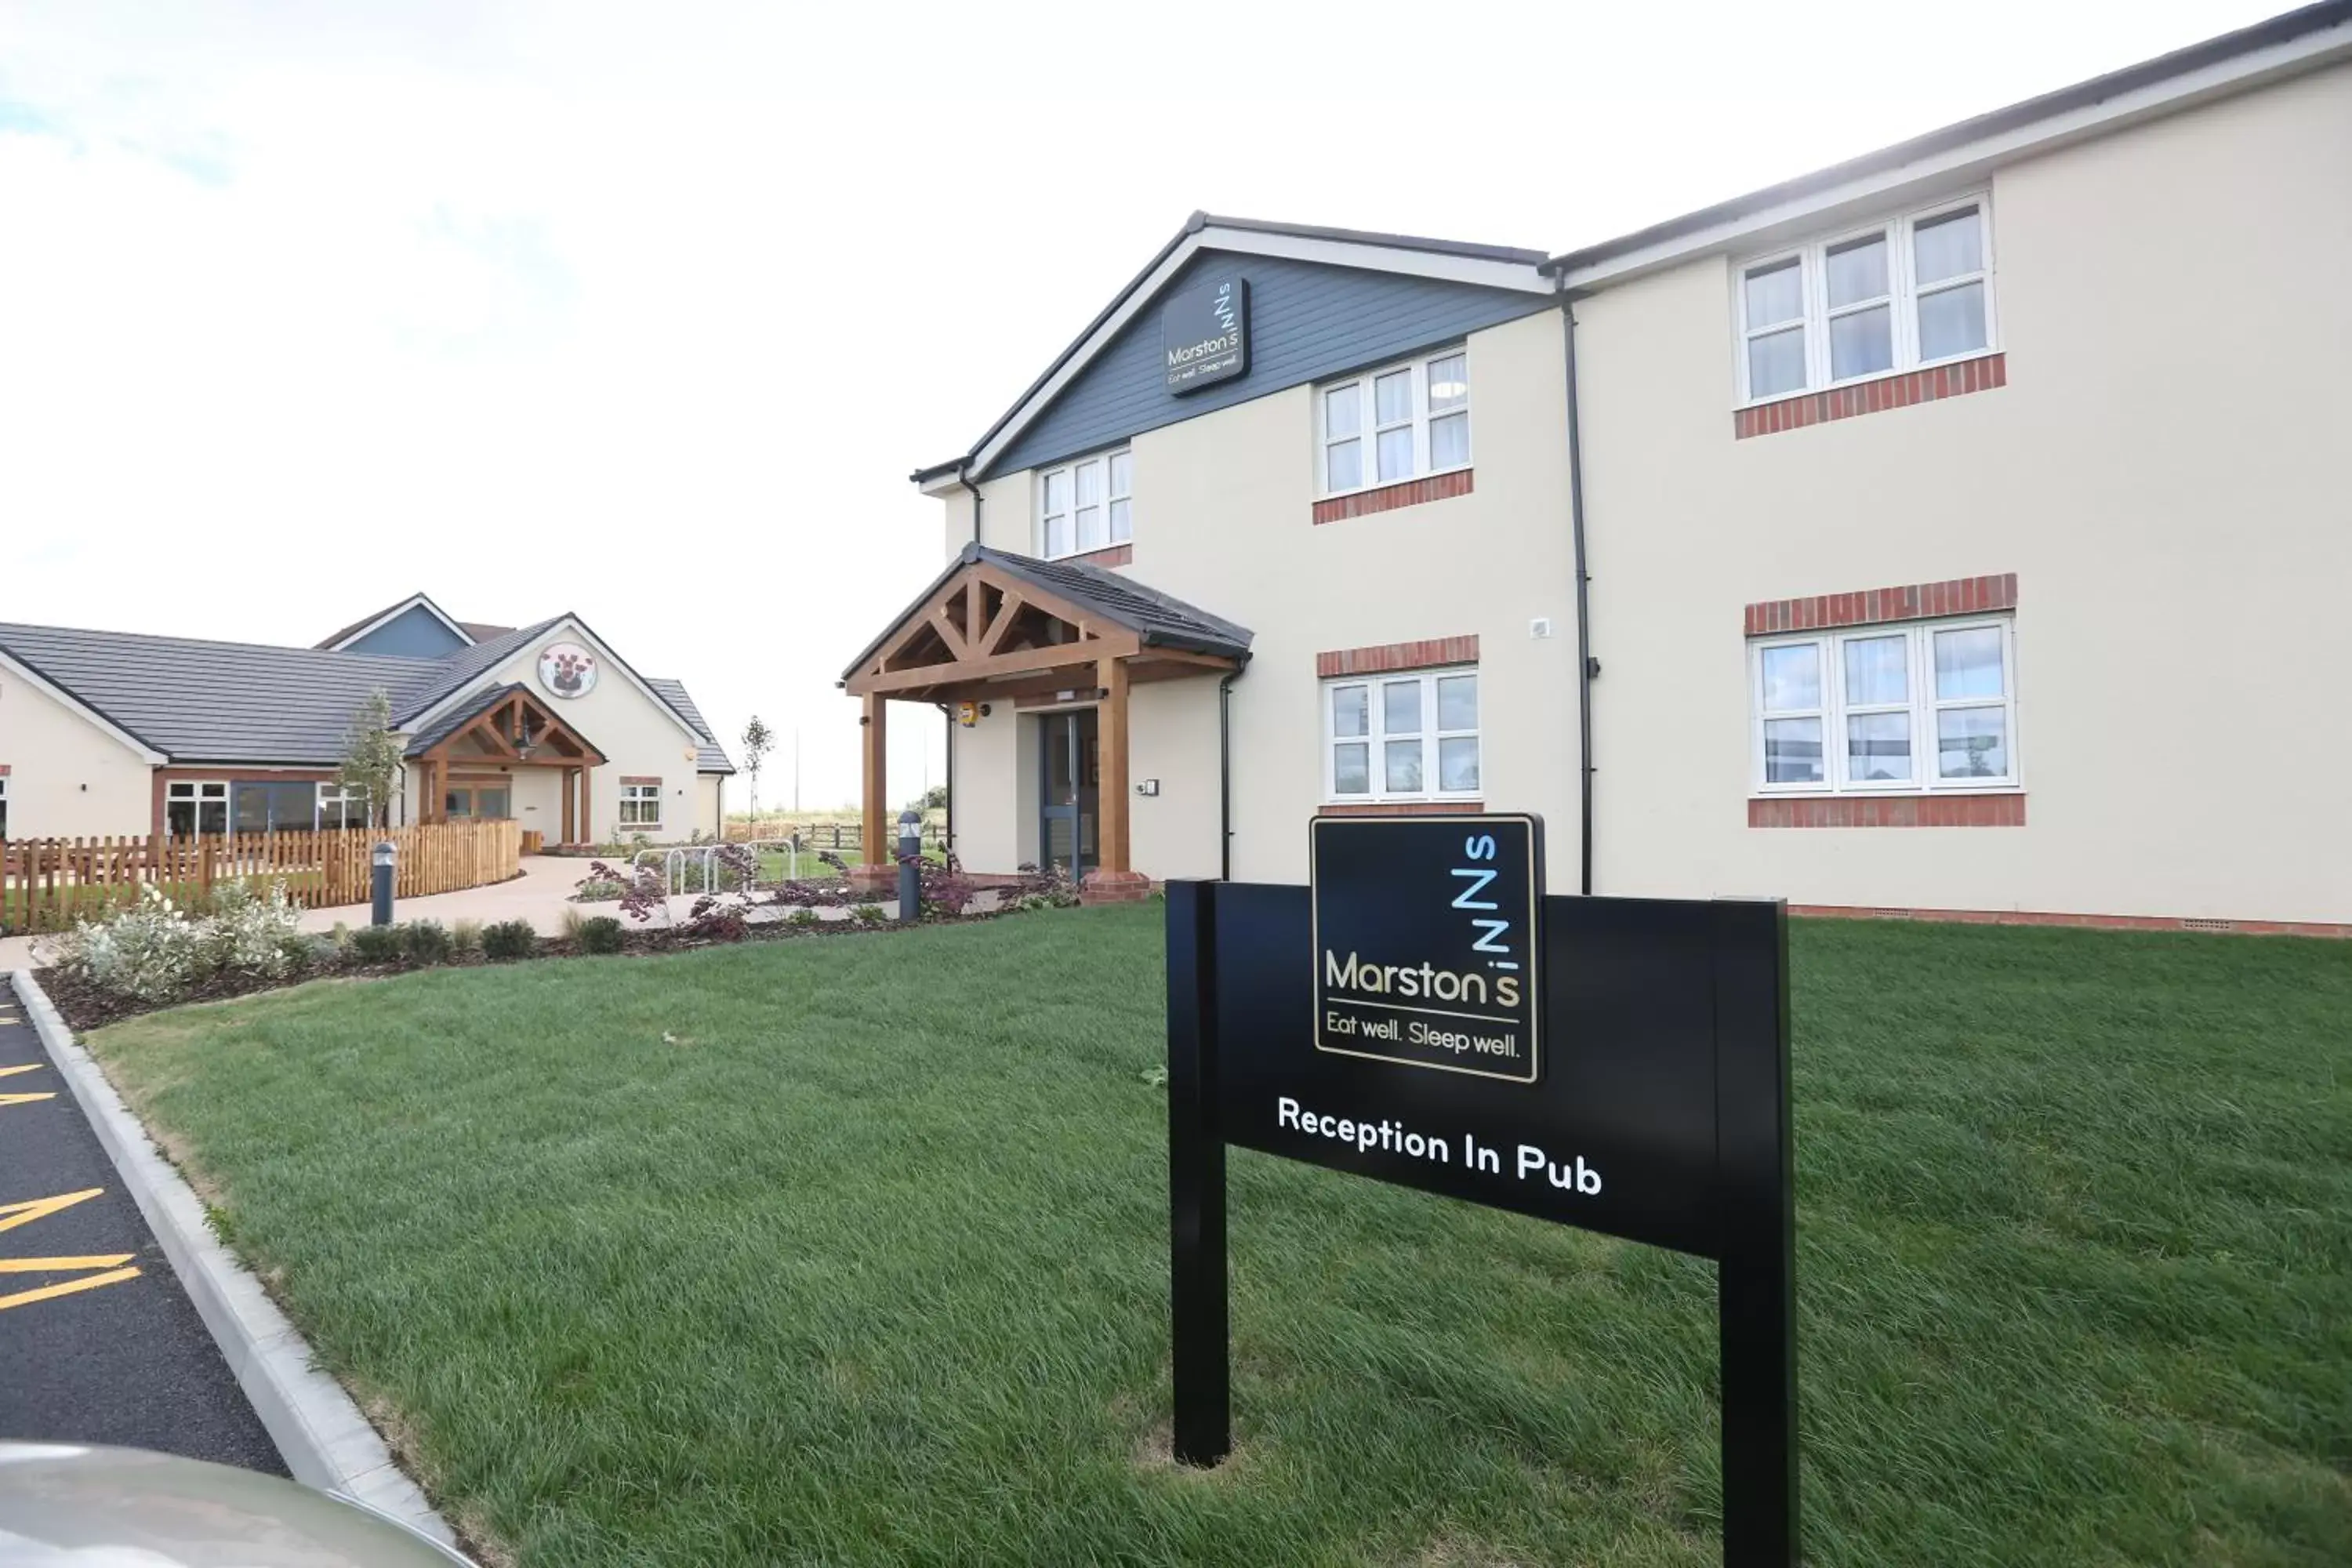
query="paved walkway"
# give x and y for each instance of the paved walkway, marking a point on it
(98, 1342)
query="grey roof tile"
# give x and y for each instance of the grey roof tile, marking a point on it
(713, 758)
(1161, 619)
(198, 700)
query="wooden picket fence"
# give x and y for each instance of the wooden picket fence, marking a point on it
(45, 884)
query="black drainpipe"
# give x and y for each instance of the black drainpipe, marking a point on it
(1587, 666)
(1226, 776)
(947, 711)
(963, 478)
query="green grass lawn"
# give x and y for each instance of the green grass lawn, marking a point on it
(855, 1250)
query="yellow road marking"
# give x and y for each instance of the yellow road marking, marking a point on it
(26, 1213)
(28, 1067)
(63, 1264)
(90, 1282)
(26, 1099)
(14, 1215)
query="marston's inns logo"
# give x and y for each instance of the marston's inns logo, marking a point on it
(1228, 338)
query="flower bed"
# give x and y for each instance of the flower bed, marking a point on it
(157, 954)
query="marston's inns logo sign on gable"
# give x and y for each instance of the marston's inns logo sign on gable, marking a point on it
(1206, 333)
(1425, 943)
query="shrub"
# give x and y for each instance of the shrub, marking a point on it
(867, 914)
(802, 916)
(427, 941)
(600, 933)
(599, 890)
(946, 892)
(466, 936)
(147, 952)
(509, 938)
(379, 944)
(568, 923)
(714, 919)
(258, 935)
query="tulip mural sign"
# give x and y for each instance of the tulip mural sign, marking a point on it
(1423, 1014)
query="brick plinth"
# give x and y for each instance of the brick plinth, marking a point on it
(882, 879)
(1114, 887)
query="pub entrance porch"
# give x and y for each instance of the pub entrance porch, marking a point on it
(466, 762)
(996, 628)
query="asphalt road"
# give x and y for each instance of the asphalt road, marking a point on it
(102, 1346)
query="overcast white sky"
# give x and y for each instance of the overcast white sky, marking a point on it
(646, 312)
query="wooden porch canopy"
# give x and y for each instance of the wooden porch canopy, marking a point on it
(996, 627)
(508, 728)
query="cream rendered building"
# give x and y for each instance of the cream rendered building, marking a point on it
(1938, 510)
(121, 733)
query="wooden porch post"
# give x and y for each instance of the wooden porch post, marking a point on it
(587, 803)
(1110, 674)
(570, 811)
(1114, 878)
(875, 824)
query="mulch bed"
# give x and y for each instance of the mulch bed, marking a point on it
(85, 1007)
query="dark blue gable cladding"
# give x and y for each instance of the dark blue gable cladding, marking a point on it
(415, 633)
(1307, 320)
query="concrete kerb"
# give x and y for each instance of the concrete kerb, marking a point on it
(325, 1441)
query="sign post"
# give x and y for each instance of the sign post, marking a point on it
(1424, 1015)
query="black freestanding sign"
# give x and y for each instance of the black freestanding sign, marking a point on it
(1651, 1101)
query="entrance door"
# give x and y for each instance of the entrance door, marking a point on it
(1070, 774)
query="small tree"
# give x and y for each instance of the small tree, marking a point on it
(372, 762)
(758, 741)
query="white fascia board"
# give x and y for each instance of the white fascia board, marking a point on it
(60, 695)
(947, 484)
(393, 614)
(1970, 161)
(423, 721)
(1522, 277)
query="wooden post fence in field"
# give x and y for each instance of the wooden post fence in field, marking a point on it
(47, 884)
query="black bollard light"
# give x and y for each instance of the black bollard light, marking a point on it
(387, 853)
(910, 867)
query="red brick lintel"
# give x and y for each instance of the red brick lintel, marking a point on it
(1387, 659)
(1980, 374)
(1401, 809)
(1868, 607)
(1388, 498)
(2100, 923)
(2003, 809)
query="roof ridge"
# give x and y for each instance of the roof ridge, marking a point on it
(308, 649)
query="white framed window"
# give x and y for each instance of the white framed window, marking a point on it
(195, 806)
(1399, 422)
(1401, 737)
(1896, 295)
(1883, 709)
(1086, 505)
(341, 807)
(641, 805)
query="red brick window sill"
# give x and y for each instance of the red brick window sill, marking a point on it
(2002, 809)
(1980, 374)
(1388, 498)
(1109, 555)
(1402, 808)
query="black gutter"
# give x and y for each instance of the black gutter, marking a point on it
(2280, 29)
(1587, 666)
